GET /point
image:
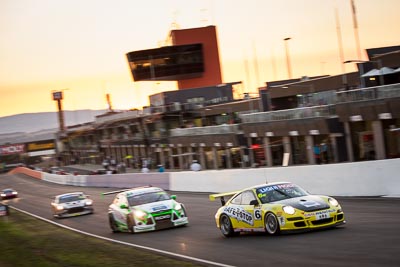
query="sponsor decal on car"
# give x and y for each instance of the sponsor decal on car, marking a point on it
(240, 214)
(159, 207)
(323, 214)
(273, 187)
(163, 217)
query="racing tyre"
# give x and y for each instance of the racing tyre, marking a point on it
(226, 226)
(113, 224)
(184, 211)
(130, 224)
(271, 224)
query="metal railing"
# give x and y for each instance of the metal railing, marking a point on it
(326, 111)
(290, 114)
(209, 130)
(119, 116)
(369, 93)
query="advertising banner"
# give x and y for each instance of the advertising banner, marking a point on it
(12, 149)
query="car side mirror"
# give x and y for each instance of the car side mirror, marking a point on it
(123, 206)
(173, 197)
(254, 202)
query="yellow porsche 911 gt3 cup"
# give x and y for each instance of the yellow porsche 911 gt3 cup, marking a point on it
(274, 208)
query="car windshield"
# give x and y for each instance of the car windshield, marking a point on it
(272, 193)
(135, 200)
(8, 191)
(70, 198)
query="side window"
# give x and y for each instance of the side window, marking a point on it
(247, 197)
(123, 200)
(237, 200)
(119, 200)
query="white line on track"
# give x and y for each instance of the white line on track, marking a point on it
(127, 244)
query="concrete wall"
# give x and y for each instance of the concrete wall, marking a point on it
(128, 180)
(76, 180)
(26, 171)
(368, 178)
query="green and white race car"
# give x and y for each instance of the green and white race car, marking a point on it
(145, 209)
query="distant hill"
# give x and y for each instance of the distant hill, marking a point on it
(34, 122)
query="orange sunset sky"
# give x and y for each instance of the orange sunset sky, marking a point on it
(80, 46)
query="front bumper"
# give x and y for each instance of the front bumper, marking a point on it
(153, 225)
(77, 211)
(311, 221)
(9, 196)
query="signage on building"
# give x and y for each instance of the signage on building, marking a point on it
(57, 95)
(356, 118)
(385, 116)
(3, 210)
(12, 149)
(40, 146)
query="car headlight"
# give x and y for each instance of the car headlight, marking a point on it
(88, 202)
(289, 210)
(3, 195)
(140, 214)
(59, 207)
(178, 206)
(333, 202)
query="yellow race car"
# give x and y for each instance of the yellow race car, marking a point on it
(274, 208)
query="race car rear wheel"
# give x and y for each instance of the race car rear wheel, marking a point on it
(112, 223)
(271, 224)
(226, 226)
(130, 223)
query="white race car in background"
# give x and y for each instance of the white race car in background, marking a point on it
(71, 204)
(145, 209)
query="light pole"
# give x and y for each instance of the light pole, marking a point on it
(58, 96)
(287, 57)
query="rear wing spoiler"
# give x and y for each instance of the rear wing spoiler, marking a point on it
(123, 190)
(221, 196)
(114, 192)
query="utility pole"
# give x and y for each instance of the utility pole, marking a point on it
(289, 68)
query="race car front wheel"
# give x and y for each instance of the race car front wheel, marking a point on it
(271, 224)
(226, 226)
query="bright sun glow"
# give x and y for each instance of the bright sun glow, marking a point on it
(81, 45)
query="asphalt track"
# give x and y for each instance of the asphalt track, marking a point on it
(371, 236)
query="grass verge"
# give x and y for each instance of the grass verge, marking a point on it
(27, 241)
